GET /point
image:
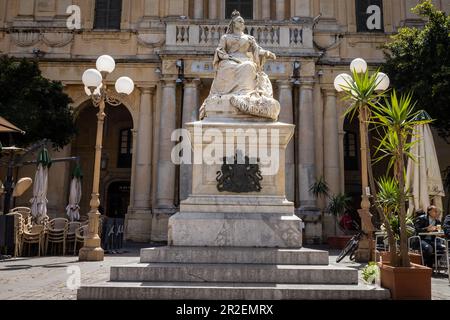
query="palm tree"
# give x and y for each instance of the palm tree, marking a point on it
(320, 188)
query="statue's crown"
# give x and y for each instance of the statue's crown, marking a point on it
(235, 14)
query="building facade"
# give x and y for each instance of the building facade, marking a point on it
(166, 47)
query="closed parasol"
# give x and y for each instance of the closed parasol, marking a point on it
(73, 208)
(40, 187)
(423, 176)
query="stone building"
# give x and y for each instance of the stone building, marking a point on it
(166, 47)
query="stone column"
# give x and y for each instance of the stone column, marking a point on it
(213, 9)
(198, 9)
(142, 191)
(191, 105)
(308, 210)
(265, 9)
(287, 116)
(331, 142)
(307, 172)
(280, 9)
(134, 133)
(165, 188)
(139, 220)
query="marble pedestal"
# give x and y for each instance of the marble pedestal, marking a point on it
(229, 245)
(229, 219)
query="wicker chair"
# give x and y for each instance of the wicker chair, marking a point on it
(56, 233)
(26, 215)
(80, 236)
(71, 237)
(35, 235)
(19, 228)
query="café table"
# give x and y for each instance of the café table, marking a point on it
(439, 236)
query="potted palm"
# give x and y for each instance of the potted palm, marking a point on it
(395, 119)
(337, 204)
(388, 200)
(336, 207)
(321, 192)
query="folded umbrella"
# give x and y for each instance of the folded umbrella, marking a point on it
(73, 208)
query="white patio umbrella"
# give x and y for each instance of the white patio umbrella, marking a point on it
(423, 176)
(73, 208)
(40, 187)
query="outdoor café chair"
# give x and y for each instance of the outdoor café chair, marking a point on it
(56, 233)
(71, 229)
(418, 242)
(80, 235)
(440, 255)
(19, 228)
(26, 214)
(33, 236)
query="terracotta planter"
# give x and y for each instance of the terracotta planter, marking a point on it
(413, 283)
(338, 242)
(383, 256)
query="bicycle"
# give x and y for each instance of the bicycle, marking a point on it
(350, 247)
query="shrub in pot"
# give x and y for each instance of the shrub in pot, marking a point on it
(395, 120)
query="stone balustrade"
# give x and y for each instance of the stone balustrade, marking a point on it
(276, 36)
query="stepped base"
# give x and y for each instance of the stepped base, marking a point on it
(235, 273)
(215, 273)
(303, 256)
(228, 291)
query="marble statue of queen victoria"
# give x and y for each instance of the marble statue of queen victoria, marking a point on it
(240, 79)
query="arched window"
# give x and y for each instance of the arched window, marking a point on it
(245, 7)
(125, 149)
(108, 14)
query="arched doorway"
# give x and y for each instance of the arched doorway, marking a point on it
(118, 199)
(117, 151)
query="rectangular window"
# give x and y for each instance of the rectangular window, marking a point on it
(369, 15)
(350, 151)
(125, 149)
(108, 14)
(245, 8)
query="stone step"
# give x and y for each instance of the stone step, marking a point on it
(227, 291)
(301, 256)
(243, 273)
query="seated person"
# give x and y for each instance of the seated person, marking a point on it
(446, 226)
(428, 223)
(346, 221)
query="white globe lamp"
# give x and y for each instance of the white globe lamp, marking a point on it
(358, 65)
(342, 82)
(382, 82)
(92, 78)
(124, 85)
(105, 63)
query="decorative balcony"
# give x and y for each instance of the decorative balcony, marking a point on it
(197, 36)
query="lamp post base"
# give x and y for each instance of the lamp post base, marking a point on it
(91, 254)
(363, 254)
(365, 247)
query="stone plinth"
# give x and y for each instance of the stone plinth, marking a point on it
(263, 218)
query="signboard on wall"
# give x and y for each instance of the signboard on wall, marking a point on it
(369, 15)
